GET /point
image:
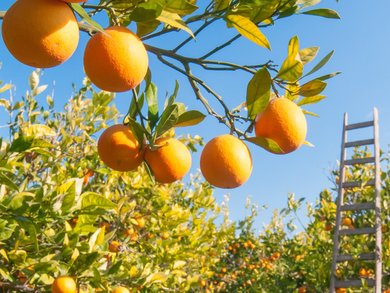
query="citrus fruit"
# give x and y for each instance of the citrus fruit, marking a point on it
(114, 246)
(226, 162)
(40, 33)
(115, 60)
(120, 290)
(170, 161)
(64, 284)
(284, 122)
(119, 149)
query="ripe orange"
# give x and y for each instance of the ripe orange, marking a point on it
(347, 221)
(40, 33)
(328, 227)
(120, 290)
(119, 149)
(302, 289)
(64, 284)
(115, 60)
(226, 162)
(114, 246)
(363, 273)
(341, 290)
(284, 122)
(132, 234)
(170, 161)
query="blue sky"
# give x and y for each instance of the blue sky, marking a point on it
(361, 40)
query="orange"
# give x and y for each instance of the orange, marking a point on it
(120, 290)
(170, 161)
(115, 60)
(64, 284)
(328, 227)
(347, 221)
(74, 1)
(284, 122)
(363, 273)
(302, 289)
(341, 290)
(114, 246)
(40, 33)
(226, 162)
(119, 149)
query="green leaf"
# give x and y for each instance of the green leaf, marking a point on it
(69, 191)
(267, 144)
(323, 12)
(146, 12)
(172, 98)
(310, 100)
(85, 16)
(168, 119)
(308, 54)
(190, 118)
(174, 20)
(8, 182)
(38, 130)
(137, 130)
(180, 7)
(320, 64)
(327, 76)
(307, 3)
(152, 100)
(21, 144)
(292, 67)
(221, 4)
(136, 105)
(310, 113)
(312, 88)
(156, 278)
(147, 27)
(93, 199)
(29, 226)
(248, 29)
(258, 92)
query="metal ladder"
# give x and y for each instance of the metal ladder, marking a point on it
(375, 205)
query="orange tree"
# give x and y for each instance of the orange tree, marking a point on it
(44, 33)
(282, 260)
(65, 213)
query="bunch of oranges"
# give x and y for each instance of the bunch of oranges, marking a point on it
(116, 60)
(225, 162)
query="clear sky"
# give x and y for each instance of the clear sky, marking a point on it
(361, 40)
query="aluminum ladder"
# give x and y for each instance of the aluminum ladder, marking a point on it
(375, 205)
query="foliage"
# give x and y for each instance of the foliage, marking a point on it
(155, 19)
(64, 213)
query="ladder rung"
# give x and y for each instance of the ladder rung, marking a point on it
(359, 125)
(359, 143)
(363, 256)
(359, 231)
(358, 206)
(360, 161)
(352, 184)
(353, 283)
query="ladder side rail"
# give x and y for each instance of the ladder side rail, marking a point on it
(340, 200)
(378, 224)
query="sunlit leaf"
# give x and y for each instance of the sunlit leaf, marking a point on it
(310, 100)
(190, 118)
(308, 54)
(267, 144)
(258, 92)
(248, 29)
(312, 88)
(323, 12)
(174, 20)
(320, 64)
